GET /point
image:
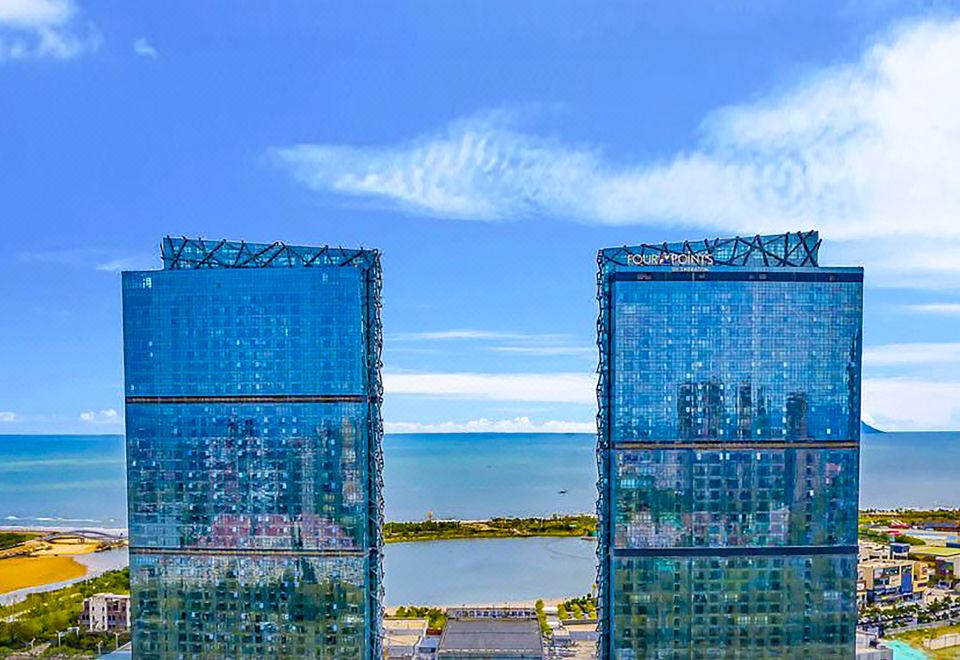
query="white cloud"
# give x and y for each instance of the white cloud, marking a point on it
(99, 259)
(35, 13)
(917, 353)
(483, 425)
(864, 152)
(546, 350)
(947, 309)
(143, 48)
(35, 29)
(911, 404)
(7, 416)
(122, 263)
(469, 333)
(546, 387)
(107, 416)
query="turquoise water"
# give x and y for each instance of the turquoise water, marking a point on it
(79, 480)
(903, 652)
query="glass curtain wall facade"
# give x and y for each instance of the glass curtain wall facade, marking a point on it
(252, 376)
(728, 450)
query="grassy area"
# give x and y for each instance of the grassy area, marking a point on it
(40, 616)
(19, 572)
(435, 530)
(932, 551)
(871, 517)
(11, 539)
(915, 639)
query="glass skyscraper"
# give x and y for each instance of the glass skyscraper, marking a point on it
(253, 452)
(728, 450)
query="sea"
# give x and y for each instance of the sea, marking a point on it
(79, 482)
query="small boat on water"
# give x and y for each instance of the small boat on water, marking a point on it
(562, 491)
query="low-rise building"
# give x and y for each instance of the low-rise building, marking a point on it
(872, 551)
(899, 550)
(890, 581)
(403, 638)
(492, 612)
(106, 612)
(948, 570)
(491, 638)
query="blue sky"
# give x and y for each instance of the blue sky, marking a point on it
(489, 149)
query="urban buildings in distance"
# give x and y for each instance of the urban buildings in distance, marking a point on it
(252, 383)
(728, 450)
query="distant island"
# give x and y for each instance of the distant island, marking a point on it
(866, 429)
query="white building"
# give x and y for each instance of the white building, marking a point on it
(103, 612)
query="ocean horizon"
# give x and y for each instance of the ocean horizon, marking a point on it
(80, 480)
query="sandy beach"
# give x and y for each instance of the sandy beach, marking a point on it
(38, 562)
(20, 572)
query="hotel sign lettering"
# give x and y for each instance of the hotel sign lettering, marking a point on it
(671, 259)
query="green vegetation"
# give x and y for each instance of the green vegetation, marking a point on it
(584, 607)
(436, 618)
(39, 617)
(11, 539)
(908, 516)
(545, 630)
(867, 534)
(910, 540)
(435, 530)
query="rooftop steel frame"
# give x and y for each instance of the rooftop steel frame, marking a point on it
(796, 249)
(188, 253)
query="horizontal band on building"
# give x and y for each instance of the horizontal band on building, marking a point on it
(728, 445)
(732, 276)
(744, 551)
(255, 398)
(252, 552)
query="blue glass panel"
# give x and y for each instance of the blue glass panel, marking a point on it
(253, 452)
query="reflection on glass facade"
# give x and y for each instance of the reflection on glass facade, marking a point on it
(728, 450)
(253, 452)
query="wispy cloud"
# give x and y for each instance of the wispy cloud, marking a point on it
(911, 404)
(865, 152)
(106, 416)
(483, 425)
(586, 351)
(121, 264)
(36, 29)
(7, 416)
(916, 353)
(100, 259)
(947, 309)
(496, 341)
(143, 48)
(545, 387)
(474, 334)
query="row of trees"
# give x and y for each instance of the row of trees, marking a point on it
(436, 618)
(911, 613)
(584, 607)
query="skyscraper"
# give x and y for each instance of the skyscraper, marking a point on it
(253, 451)
(728, 450)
